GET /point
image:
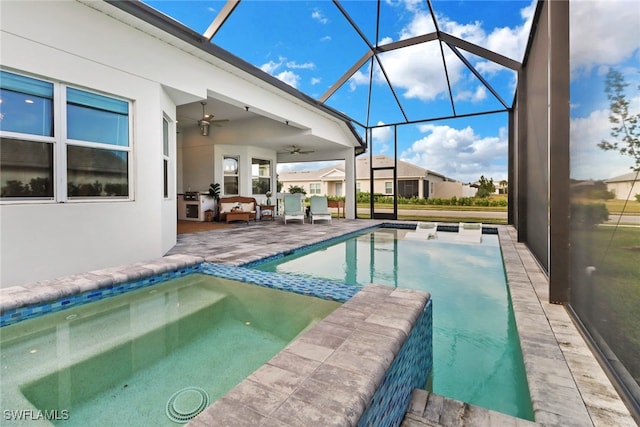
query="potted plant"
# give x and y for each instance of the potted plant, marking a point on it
(214, 193)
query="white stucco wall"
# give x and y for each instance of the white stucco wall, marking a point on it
(42, 240)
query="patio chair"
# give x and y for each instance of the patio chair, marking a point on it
(470, 232)
(293, 208)
(319, 209)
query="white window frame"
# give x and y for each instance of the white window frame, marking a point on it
(388, 187)
(315, 188)
(261, 176)
(236, 175)
(166, 159)
(61, 142)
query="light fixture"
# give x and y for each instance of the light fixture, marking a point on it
(204, 124)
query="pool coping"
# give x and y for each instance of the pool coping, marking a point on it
(567, 385)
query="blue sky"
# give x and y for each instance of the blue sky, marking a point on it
(310, 44)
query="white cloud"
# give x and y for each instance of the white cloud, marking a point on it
(319, 16)
(303, 166)
(304, 66)
(315, 80)
(418, 70)
(587, 160)
(460, 153)
(270, 67)
(480, 94)
(381, 136)
(358, 78)
(289, 77)
(602, 32)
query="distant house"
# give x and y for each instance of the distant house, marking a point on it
(413, 181)
(625, 187)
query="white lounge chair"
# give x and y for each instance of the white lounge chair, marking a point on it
(423, 231)
(319, 209)
(293, 208)
(470, 232)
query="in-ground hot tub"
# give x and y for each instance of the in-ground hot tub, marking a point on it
(150, 355)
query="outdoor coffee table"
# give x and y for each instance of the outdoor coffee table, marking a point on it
(237, 216)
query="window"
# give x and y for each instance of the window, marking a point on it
(97, 145)
(358, 187)
(260, 176)
(26, 145)
(90, 160)
(314, 188)
(230, 171)
(388, 187)
(165, 156)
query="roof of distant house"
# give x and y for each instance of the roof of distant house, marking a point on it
(631, 176)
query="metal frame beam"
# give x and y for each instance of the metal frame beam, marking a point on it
(220, 19)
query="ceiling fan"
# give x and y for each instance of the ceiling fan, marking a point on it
(207, 120)
(295, 150)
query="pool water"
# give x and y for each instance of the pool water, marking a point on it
(118, 361)
(477, 357)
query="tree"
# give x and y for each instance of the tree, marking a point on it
(624, 125)
(294, 189)
(485, 187)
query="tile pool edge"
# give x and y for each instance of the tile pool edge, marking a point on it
(19, 303)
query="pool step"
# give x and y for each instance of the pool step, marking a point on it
(431, 410)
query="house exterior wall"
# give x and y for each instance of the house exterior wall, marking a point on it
(624, 190)
(449, 189)
(47, 239)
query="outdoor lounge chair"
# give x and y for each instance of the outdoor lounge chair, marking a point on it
(319, 209)
(470, 232)
(424, 231)
(293, 208)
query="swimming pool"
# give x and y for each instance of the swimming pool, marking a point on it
(119, 361)
(477, 356)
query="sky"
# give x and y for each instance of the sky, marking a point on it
(310, 45)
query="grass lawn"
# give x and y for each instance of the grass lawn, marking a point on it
(617, 206)
(439, 218)
(611, 302)
(614, 206)
(438, 207)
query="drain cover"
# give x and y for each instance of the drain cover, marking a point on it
(185, 404)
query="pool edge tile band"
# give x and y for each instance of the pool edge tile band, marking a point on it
(12, 316)
(325, 289)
